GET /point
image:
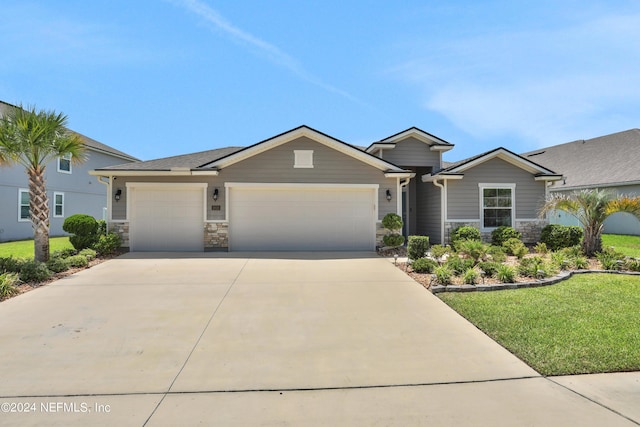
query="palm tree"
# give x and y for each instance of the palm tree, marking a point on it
(32, 139)
(592, 208)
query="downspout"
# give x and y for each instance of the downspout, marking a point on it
(108, 184)
(401, 184)
(442, 209)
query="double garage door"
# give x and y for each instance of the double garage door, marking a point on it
(261, 218)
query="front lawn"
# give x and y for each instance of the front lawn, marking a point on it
(587, 324)
(628, 245)
(24, 248)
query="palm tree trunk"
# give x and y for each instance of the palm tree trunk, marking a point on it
(592, 242)
(39, 209)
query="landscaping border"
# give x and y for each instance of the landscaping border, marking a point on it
(562, 276)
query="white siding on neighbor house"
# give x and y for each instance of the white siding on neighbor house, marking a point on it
(82, 194)
(463, 196)
(277, 166)
(412, 152)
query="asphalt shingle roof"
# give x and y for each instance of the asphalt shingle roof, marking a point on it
(191, 161)
(605, 160)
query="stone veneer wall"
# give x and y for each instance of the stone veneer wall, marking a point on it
(122, 229)
(216, 235)
(380, 233)
(530, 229)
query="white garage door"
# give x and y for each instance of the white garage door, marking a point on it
(166, 218)
(307, 218)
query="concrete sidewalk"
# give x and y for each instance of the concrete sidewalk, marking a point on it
(264, 339)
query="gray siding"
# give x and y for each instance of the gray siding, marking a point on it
(463, 196)
(276, 166)
(411, 152)
(429, 211)
(82, 194)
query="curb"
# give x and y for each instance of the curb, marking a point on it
(436, 289)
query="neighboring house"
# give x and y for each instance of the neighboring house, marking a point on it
(305, 190)
(609, 162)
(70, 189)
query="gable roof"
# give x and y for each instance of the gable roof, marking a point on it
(457, 169)
(436, 144)
(598, 162)
(213, 160)
(90, 143)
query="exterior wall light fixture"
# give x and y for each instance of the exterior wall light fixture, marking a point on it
(215, 194)
(388, 195)
(118, 195)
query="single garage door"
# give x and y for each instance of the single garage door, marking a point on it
(166, 218)
(301, 218)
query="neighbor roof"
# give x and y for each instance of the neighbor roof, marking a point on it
(607, 160)
(190, 161)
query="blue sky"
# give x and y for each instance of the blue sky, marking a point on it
(156, 78)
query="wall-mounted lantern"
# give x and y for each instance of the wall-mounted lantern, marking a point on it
(118, 195)
(388, 195)
(215, 194)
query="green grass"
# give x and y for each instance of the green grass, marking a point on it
(587, 324)
(628, 245)
(24, 248)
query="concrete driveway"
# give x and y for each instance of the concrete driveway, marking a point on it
(263, 339)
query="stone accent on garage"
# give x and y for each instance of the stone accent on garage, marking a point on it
(380, 233)
(121, 229)
(216, 235)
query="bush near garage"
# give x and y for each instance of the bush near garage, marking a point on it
(417, 246)
(84, 229)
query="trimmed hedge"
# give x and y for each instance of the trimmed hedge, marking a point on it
(417, 246)
(84, 229)
(557, 236)
(504, 233)
(465, 232)
(424, 265)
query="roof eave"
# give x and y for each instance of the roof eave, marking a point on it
(163, 172)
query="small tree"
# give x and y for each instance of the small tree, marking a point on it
(592, 208)
(32, 138)
(84, 228)
(393, 223)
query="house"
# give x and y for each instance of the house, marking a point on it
(70, 189)
(607, 162)
(305, 190)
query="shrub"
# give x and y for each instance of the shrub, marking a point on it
(470, 276)
(490, 268)
(504, 233)
(102, 227)
(417, 246)
(64, 253)
(582, 263)
(438, 251)
(609, 259)
(443, 275)
(89, 254)
(515, 247)
(536, 267)
(465, 232)
(497, 253)
(633, 264)
(57, 264)
(392, 222)
(505, 273)
(84, 229)
(393, 240)
(34, 271)
(459, 265)
(77, 261)
(108, 244)
(557, 236)
(11, 264)
(474, 249)
(541, 248)
(8, 285)
(424, 265)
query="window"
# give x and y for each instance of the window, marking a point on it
(497, 205)
(58, 205)
(64, 163)
(23, 205)
(303, 158)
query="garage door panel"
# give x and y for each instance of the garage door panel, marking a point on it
(302, 219)
(167, 219)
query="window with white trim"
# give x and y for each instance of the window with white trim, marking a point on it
(303, 158)
(64, 163)
(23, 206)
(58, 205)
(497, 205)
